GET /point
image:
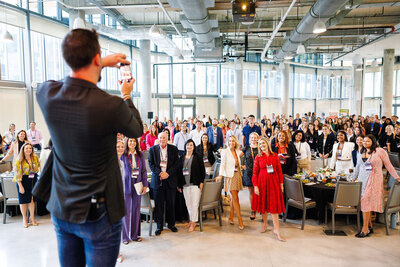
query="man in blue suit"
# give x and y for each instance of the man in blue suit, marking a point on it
(215, 135)
(164, 162)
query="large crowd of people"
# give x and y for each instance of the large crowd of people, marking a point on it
(98, 164)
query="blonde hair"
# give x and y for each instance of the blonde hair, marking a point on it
(269, 149)
(254, 133)
(237, 144)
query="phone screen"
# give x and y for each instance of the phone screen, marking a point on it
(125, 72)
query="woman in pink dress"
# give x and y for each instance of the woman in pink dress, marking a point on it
(268, 186)
(372, 160)
(151, 137)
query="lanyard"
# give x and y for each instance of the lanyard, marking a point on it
(252, 152)
(31, 167)
(185, 166)
(131, 160)
(34, 136)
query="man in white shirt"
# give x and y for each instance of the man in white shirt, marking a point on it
(34, 136)
(197, 133)
(181, 138)
(233, 131)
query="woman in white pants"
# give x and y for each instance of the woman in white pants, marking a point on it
(191, 179)
(342, 157)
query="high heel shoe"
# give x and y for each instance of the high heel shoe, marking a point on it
(361, 234)
(241, 227)
(280, 238)
(231, 221)
(371, 230)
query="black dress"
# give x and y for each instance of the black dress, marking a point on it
(312, 139)
(249, 155)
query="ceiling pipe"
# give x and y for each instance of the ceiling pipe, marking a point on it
(173, 24)
(264, 53)
(322, 10)
(197, 20)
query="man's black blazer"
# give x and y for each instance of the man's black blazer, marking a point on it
(83, 122)
(172, 166)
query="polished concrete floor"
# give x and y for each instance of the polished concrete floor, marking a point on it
(216, 246)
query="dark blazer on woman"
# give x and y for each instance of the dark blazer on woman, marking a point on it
(330, 141)
(210, 152)
(197, 171)
(354, 157)
(290, 167)
(312, 139)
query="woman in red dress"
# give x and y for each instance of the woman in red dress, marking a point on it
(268, 186)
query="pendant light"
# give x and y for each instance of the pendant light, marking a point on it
(301, 50)
(7, 37)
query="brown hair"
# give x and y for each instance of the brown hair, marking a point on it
(79, 47)
(21, 156)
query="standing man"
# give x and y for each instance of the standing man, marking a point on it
(234, 130)
(34, 136)
(248, 129)
(215, 135)
(197, 132)
(191, 125)
(164, 162)
(86, 200)
(181, 138)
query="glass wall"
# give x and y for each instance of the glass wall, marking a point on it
(11, 54)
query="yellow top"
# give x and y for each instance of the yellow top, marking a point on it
(25, 168)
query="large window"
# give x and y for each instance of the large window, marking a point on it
(271, 84)
(372, 84)
(200, 79)
(163, 79)
(38, 68)
(50, 9)
(335, 86)
(212, 80)
(250, 82)
(177, 81)
(53, 55)
(11, 54)
(227, 81)
(346, 85)
(188, 79)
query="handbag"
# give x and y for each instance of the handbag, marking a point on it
(42, 188)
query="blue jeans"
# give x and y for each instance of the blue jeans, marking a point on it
(95, 243)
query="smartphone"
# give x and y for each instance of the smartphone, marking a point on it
(125, 72)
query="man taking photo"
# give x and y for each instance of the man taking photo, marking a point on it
(86, 200)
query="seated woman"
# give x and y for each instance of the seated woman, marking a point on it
(26, 169)
(303, 154)
(191, 175)
(342, 156)
(16, 147)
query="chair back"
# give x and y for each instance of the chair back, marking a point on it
(392, 180)
(293, 188)
(211, 192)
(146, 202)
(217, 166)
(9, 188)
(394, 196)
(394, 159)
(6, 166)
(347, 194)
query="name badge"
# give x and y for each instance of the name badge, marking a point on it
(31, 175)
(33, 138)
(163, 164)
(135, 173)
(339, 156)
(205, 160)
(236, 168)
(270, 169)
(311, 140)
(372, 129)
(298, 156)
(282, 160)
(185, 171)
(398, 145)
(269, 134)
(368, 166)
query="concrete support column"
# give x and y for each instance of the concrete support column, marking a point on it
(387, 92)
(238, 94)
(285, 90)
(145, 77)
(355, 91)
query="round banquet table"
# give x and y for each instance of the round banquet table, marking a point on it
(322, 195)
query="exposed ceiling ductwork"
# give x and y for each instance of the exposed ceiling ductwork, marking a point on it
(322, 10)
